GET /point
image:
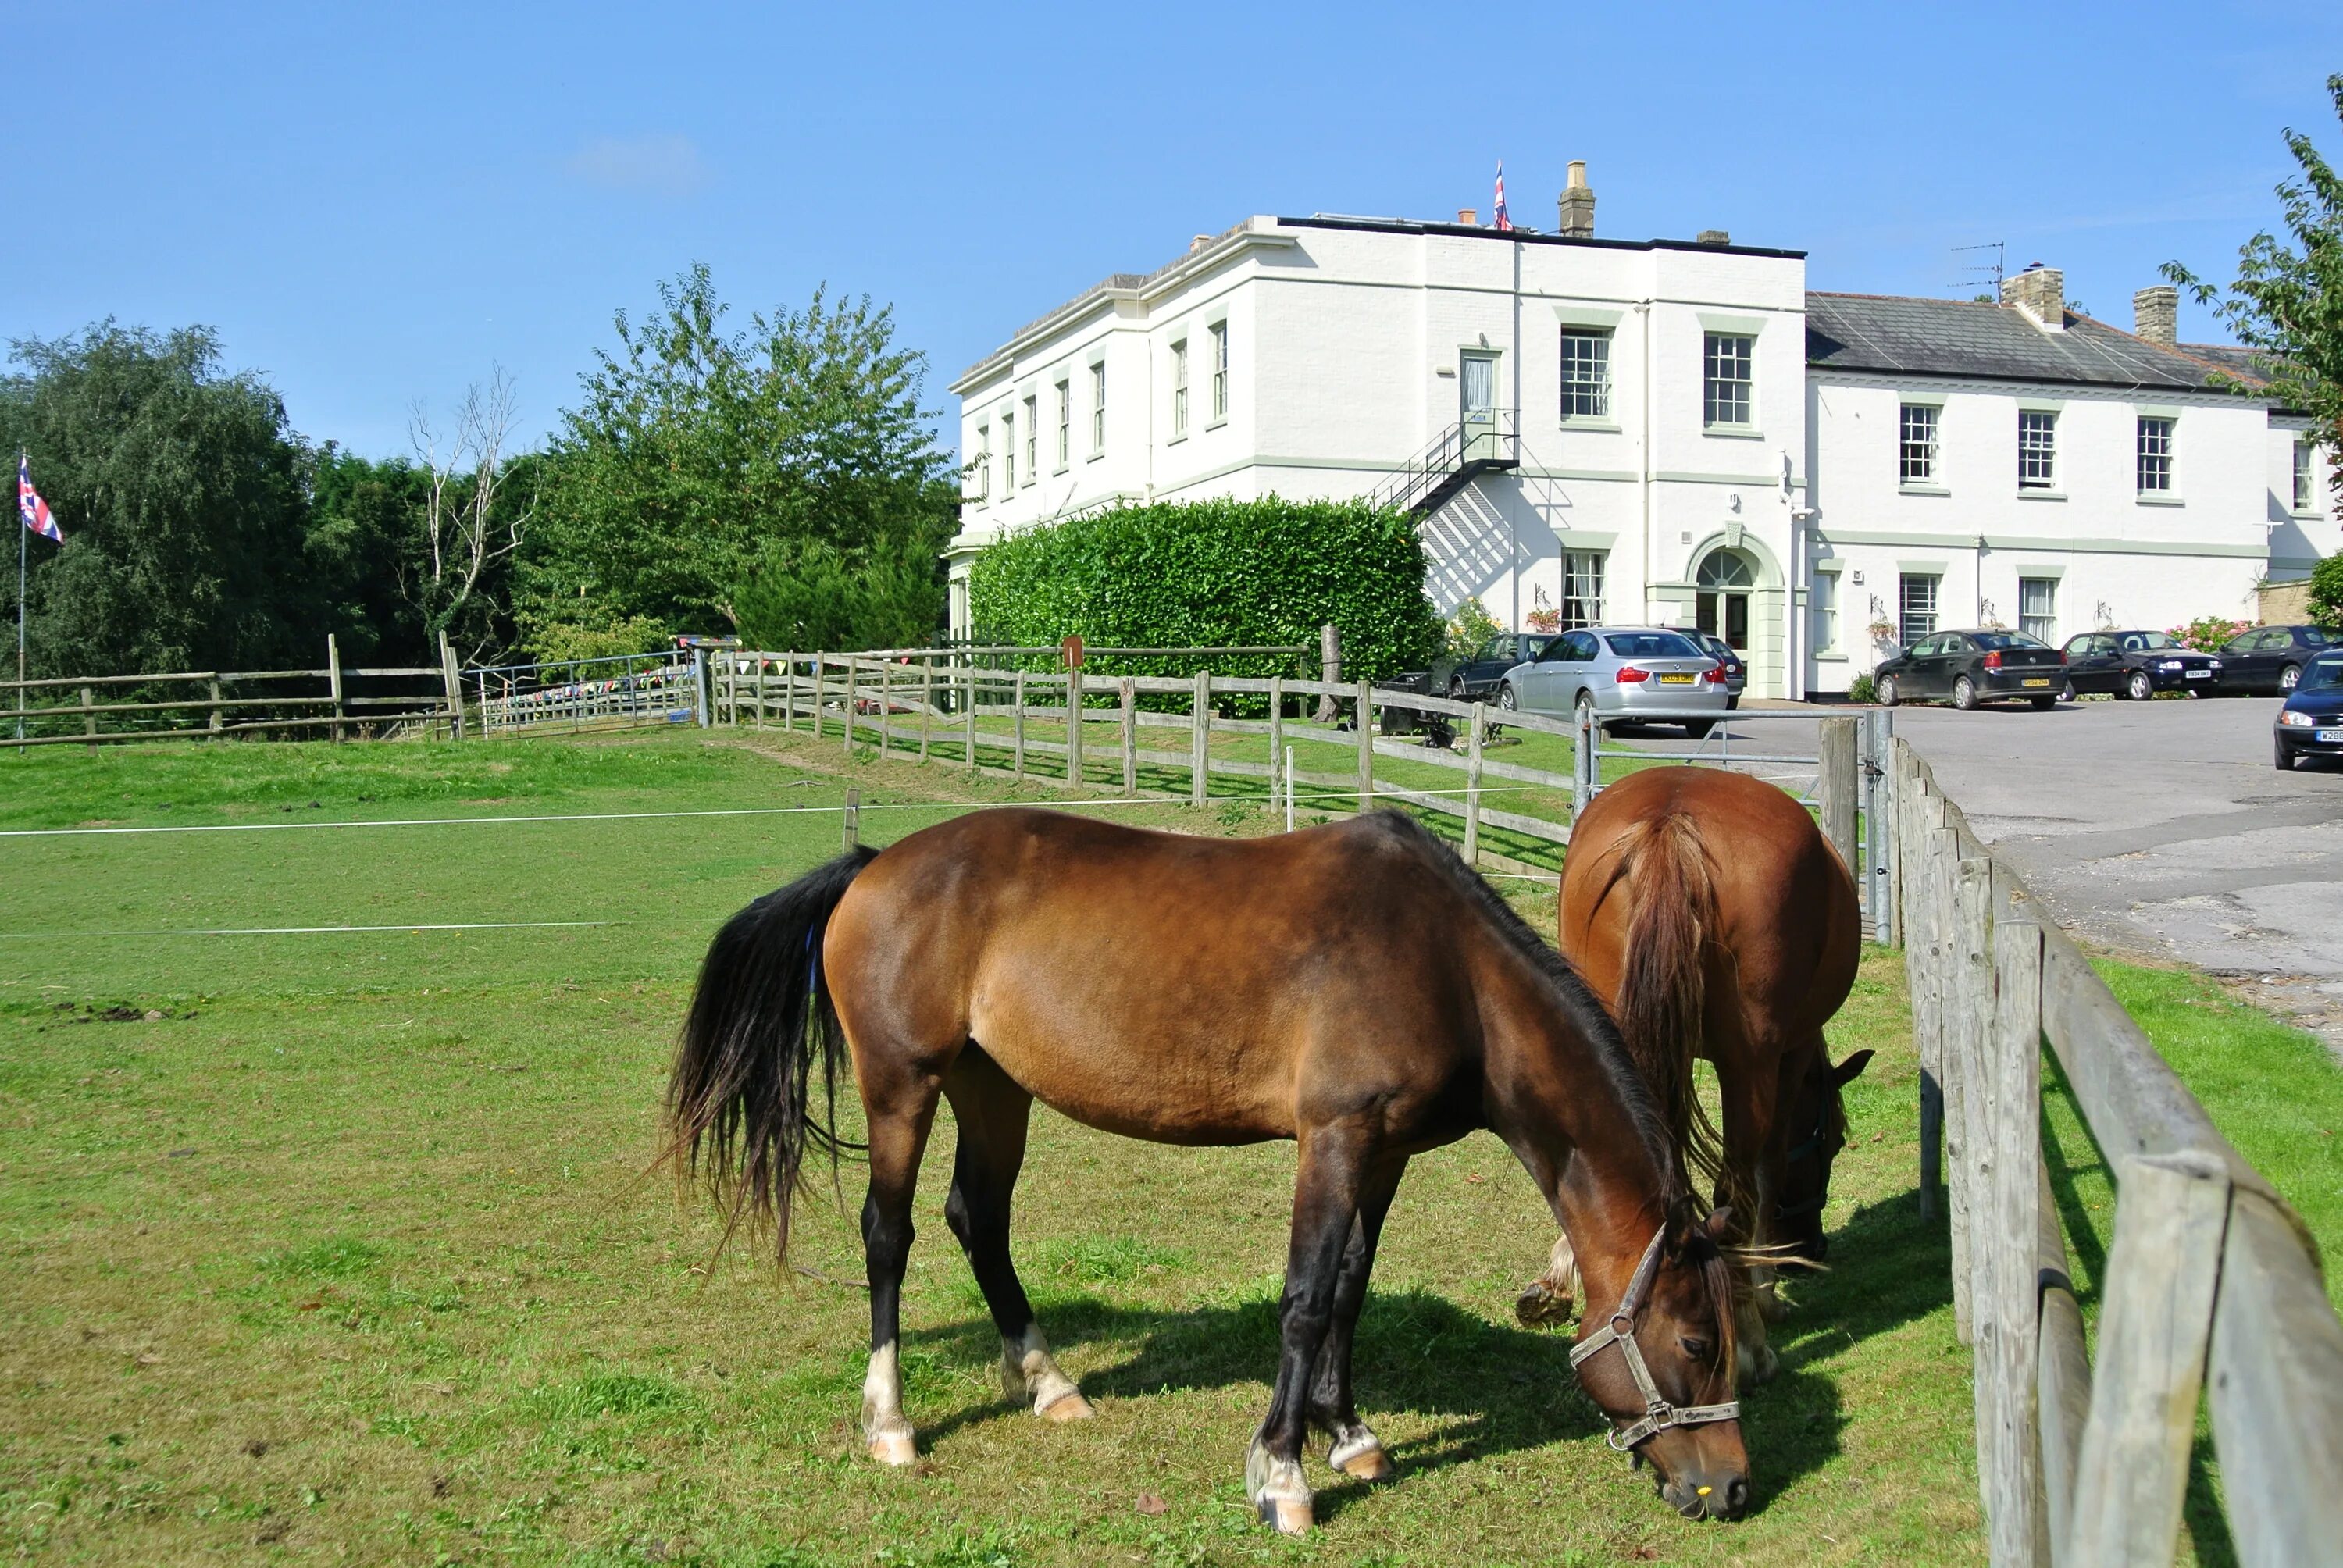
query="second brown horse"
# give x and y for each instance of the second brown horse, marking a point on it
(1715, 920)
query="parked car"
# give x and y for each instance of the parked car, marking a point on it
(2311, 722)
(1737, 673)
(1469, 679)
(2270, 658)
(1968, 667)
(2136, 665)
(1614, 672)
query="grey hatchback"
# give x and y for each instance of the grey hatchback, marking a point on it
(1615, 672)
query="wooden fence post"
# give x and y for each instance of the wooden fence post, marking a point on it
(455, 688)
(1967, 890)
(1127, 700)
(1330, 671)
(215, 688)
(1074, 726)
(2171, 1211)
(968, 721)
(1017, 722)
(850, 820)
(1199, 740)
(1276, 733)
(761, 662)
(1473, 729)
(2062, 1373)
(1366, 705)
(1837, 787)
(2007, 1243)
(88, 710)
(820, 674)
(1925, 963)
(853, 674)
(334, 681)
(790, 690)
(926, 702)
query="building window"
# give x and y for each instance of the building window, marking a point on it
(1179, 389)
(1821, 604)
(2155, 457)
(1917, 594)
(1729, 362)
(1582, 589)
(1916, 449)
(1008, 453)
(2037, 449)
(1585, 374)
(1098, 407)
(1220, 371)
(1032, 440)
(2037, 608)
(2302, 476)
(1065, 423)
(983, 465)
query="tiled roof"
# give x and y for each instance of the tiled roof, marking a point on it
(2246, 364)
(1918, 336)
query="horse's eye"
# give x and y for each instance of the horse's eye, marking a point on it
(1696, 1348)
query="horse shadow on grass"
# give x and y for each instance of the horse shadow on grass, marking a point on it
(1497, 1388)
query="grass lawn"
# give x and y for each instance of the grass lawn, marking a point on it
(350, 1252)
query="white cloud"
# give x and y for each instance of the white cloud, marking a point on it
(664, 163)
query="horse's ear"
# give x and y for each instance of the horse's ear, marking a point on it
(1847, 1071)
(1718, 1225)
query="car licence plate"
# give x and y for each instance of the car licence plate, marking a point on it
(2329, 737)
(1675, 680)
(2200, 675)
(2036, 681)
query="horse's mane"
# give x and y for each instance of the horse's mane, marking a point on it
(1576, 998)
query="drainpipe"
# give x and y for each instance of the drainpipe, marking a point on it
(1643, 458)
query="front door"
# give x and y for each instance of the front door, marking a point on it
(1476, 384)
(1721, 607)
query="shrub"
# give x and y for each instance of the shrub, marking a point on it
(1470, 627)
(2207, 633)
(1861, 689)
(1215, 574)
(2326, 593)
(814, 597)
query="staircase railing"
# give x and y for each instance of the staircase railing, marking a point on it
(1454, 454)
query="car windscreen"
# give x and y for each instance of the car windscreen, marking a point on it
(2322, 674)
(1652, 645)
(2147, 642)
(1992, 641)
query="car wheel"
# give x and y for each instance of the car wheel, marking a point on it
(2066, 692)
(1964, 696)
(1883, 690)
(2043, 701)
(2285, 759)
(2137, 687)
(1698, 728)
(1733, 702)
(1584, 708)
(2288, 679)
(1508, 699)
(1456, 692)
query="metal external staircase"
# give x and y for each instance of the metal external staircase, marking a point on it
(1462, 454)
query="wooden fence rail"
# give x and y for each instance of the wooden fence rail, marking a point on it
(2084, 1462)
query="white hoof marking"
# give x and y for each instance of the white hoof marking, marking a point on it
(886, 1430)
(1278, 1492)
(1027, 1371)
(1360, 1456)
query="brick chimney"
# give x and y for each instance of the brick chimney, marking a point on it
(1577, 203)
(2041, 293)
(1467, 217)
(1712, 237)
(2155, 314)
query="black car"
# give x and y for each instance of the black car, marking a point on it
(2136, 665)
(2271, 657)
(1471, 679)
(1966, 668)
(1736, 672)
(2311, 722)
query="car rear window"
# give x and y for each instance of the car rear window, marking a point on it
(1991, 640)
(1652, 645)
(2316, 636)
(2146, 642)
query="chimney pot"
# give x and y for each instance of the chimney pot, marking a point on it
(1200, 241)
(2155, 314)
(1577, 203)
(2040, 292)
(1467, 217)
(1712, 237)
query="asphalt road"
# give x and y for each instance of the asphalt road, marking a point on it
(2154, 828)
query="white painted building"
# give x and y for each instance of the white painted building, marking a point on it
(1663, 430)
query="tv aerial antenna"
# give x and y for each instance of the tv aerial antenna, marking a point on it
(1976, 274)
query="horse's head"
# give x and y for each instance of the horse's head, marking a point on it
(1816, 1122)
(1661, 1366)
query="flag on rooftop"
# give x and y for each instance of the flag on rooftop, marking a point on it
(31, 508)
(1503, 221)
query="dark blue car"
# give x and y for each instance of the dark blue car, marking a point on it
(2311, 722)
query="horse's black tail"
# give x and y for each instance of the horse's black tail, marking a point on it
(738, 1101)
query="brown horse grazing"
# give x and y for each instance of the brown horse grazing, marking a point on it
(1711, 915)
(1353, 987)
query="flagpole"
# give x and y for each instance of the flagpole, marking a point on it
(21, 531)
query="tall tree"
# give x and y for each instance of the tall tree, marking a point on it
(701, 455)
(184, 495)
(2288, 298)
(474, 517)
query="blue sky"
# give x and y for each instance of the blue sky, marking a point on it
(375, 203)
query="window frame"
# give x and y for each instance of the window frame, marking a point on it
(2040, 455)
(2149, 463)
(1595, 350)
(982, 468)
(1821, 612)
(1032, 437)
(2306, 474)
(1583, 585)
(1721, 393)
(1180, 390)
(1097, 408)
(1218, 332)
(1007, 455)
(1065, 424)
(1917, 457)
(1907, 616)
(2041, 624)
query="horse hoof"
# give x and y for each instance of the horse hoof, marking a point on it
(1369, 1464)
(1285, 1516)
(1070, 1406)
(895, 1448)
(1278, 1492)
(1541, 1306)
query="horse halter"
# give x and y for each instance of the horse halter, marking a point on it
(1658, 1413)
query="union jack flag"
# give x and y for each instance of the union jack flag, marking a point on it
(1503, 221)
(31, 508)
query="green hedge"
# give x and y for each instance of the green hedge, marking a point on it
(1215, 574)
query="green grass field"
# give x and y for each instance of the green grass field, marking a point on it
(350, 1252)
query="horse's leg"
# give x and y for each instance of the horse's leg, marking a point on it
(1334, 1168)
(1751, 1159)
(1356, 1451)
(1553, 1297)
(992, 1111)
(900, 1108)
